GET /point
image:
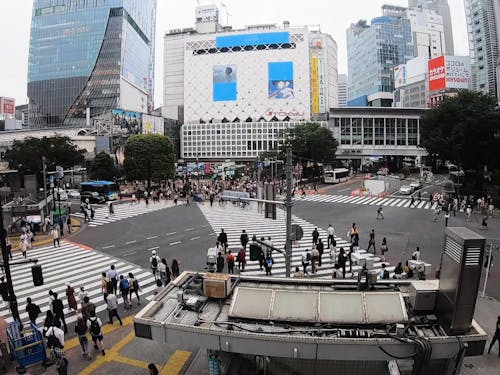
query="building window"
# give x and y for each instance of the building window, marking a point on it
(379, 131)
(412, 132)
(345, 131)
(356, 124)
(390, 131)
(401, 132)
(367, 131)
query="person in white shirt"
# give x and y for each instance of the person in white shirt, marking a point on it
(57, 332)
(55, 236)
(416, 254)
(331, 235)
(113, 276)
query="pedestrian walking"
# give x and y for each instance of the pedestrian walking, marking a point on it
(152, 369)
(320, 246)
(222, 239)
(244, 239)
(135, 287)
(113, 277)
(314, 259)
(69, 225)
(55, 236)
(446, 218)
(496, 337)
(419, 197)
(437, 211)
(380, 212)
(88, 308)
(484, 223)
(70, 295)
(331, 235)
(371, 242)
(230, 262)
(468, 212)
(383, 248)
(241, 258)
(112, 306)
(219, 263)
(33, 310)
(81, 330)
(175, 268)
(58, 309)
(154, 260)
(125, 290)
(315, 236)
(82, 294)
(269, 261)
(4, 290)
(8, 246)
(416, 254)
(106, 285)
(412, 202)
(342, 260)
(162, 269)
(111, 209)
(94, 325)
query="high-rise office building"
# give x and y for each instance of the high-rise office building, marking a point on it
(483, 25)
(88, 57)
(442, 8)
(372, 53)
(429, 38)
(343, 91)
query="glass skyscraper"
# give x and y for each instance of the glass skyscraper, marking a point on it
(372, 53)
(92, 55)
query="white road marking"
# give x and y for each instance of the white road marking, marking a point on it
(108, 247)
(340, 191)
(188, 229)
(169, 234)
(175, 243)
(153, 248)
(150, 238)
(129, 242)
(194, 238)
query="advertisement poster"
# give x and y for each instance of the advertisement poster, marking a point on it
(7, 106)
(126, 122)
(458, 72)
(224, 83)
(322, 86)
(437, 74)
(152, 125)
(314, 84)
(280, 76)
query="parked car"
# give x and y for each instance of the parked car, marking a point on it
(73, 194)
(416, 185)
(92, 196)
(405, 190)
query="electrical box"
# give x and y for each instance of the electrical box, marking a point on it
(216, 285)
(422, 295)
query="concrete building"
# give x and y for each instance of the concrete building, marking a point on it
(343, 90)
(365, 133)
(483, 25)
(428, 33)
(411, 85)
(235, 91)
(89, 57)
(442, 8)
(372, 53)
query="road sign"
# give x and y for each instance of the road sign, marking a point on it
(297, 232)
(59, 172)
(51, 179)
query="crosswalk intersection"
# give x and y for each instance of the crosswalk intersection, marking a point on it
(123, 211)
(234, 219)
(73, 263)
(373, 201)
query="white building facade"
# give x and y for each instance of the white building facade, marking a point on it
(236, 91)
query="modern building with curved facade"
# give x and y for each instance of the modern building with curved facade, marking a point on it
(89, 57)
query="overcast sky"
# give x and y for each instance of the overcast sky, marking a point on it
(333, 16)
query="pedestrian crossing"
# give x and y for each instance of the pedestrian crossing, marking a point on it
(371, 201)
(73, 263)
(124, 211)
(234, 219)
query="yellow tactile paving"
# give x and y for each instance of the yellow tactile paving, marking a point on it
(175, 363)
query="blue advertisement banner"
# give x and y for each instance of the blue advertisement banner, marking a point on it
(224, 83)
(243, 40)
(280, 76)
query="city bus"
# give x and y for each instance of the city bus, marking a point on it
(107, 189)
(334, 176)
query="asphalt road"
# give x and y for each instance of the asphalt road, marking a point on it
(179, 232)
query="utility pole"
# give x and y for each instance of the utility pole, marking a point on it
(6, 266)
(45, 185)
(288, 205)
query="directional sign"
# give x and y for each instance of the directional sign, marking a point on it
(51, 179)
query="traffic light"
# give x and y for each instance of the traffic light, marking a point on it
(36, 272)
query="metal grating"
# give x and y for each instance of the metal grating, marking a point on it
(306, 306)
(453, 250)
(472, 256)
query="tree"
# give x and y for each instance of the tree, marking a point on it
(149, 157)
(103, 168)
(26, 155)
(311, 142)
(464, 129)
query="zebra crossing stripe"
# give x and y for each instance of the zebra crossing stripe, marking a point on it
(69, 263)
(388, 201)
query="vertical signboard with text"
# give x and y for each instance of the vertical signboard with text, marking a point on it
(7, 106)
(449, 72)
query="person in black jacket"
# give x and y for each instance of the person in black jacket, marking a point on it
(33, 310)
(244, 239)
(320, 246)
(222, 239)
(220, 263)
(4, 290)
(58, 308)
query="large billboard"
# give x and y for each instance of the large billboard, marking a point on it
(224, 83)
(400, 76)
(449, 72)
(126, 122)
(152, 125)
(280, 80)
(7, 106)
